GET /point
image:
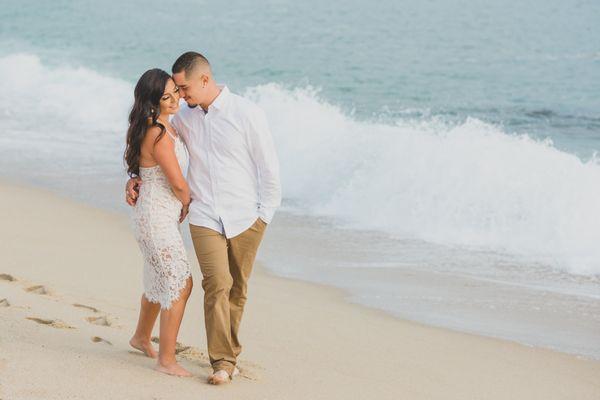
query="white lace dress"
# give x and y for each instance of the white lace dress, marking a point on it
(157, 230)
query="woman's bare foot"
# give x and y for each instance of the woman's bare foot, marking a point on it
(144, 346)
(172, 369)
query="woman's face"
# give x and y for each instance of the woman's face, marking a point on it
(169, 102)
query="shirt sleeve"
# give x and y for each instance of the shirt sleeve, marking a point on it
(262, 150)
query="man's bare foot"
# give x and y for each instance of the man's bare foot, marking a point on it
(172, 369)
(144, 346)
(219, 377)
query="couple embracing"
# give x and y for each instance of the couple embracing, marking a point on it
(230, 195)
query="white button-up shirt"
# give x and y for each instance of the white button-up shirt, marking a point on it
(233, 170)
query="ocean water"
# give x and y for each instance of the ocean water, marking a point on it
(438, 158)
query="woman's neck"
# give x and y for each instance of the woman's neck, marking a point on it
(163, 119)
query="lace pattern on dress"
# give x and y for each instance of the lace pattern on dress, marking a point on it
(158, 233)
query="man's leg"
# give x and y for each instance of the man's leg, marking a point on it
(242, 252)
(211, 250)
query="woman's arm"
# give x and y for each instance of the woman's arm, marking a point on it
(164, 154)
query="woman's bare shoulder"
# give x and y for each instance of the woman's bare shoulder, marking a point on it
(153, 135)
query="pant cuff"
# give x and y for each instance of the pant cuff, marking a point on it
(224, 365)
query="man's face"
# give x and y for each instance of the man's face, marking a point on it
(192, 88)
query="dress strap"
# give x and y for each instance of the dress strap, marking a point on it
(170, 134)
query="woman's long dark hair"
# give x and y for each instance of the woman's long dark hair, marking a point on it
(144, 113)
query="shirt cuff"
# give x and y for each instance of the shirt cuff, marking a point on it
(266, 213)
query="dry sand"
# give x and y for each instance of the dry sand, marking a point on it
(70, 282)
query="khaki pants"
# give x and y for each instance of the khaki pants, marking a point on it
(226, 265)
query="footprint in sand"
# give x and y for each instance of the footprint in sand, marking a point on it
(4, 303)
(98, 339)
(94, 309)
(7, 277)
(249, 370)
(102, 320)
(178, 346)
(193, 354)
(38, 289)
(55, 323)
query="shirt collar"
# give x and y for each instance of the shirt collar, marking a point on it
(221, 100)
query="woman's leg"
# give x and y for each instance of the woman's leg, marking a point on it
(170, 321)
(141, 338)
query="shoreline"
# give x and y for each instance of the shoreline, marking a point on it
(288, 325)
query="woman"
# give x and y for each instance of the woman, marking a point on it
(155, 153)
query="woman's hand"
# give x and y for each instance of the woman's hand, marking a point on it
(184, 212)
(132, 190)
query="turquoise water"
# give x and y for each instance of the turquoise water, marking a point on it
(419, 140)
(532, 66)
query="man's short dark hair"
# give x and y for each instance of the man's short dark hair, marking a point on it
(188, 61)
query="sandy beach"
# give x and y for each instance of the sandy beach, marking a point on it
(70, 282)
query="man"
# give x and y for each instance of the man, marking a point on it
(233, 176)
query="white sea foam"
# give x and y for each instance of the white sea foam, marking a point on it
(469, 184)
(61, 103)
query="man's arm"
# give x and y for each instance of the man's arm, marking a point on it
(262, 149)
(132, 190)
